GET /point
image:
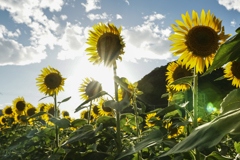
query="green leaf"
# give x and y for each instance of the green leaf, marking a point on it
(65, 100)
(220, 78)
(95, 155)
(143, 107)
(208, 134)
(228, 51)
(118, 106)
(185, 80)
(83, 134)
(38, 114)
(61, 123)
(155, 137)
(237, 147)
(17, 143)
(31, 133)
(78, 122)
(90, 99)
(167, 110)
(106, 121)
(165, 95)
(122, 82)
(44, 98)
(231, 101)
(216, 156)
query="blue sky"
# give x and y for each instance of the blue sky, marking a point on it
(39, 33)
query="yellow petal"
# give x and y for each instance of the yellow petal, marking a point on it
(181, 25)
(203, 17)
(195, 18)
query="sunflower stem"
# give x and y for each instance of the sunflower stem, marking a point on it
(89, 112)
(119, 145)
(195, 107)
(56, 116)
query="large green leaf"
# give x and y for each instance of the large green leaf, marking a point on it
(216, 156)
(228, 51)
(118, 106)
(90, 99)
(170, 109)
(78, 122)
(94, 155)
(85, 134)
(231, 101)
(185, 80)
(38, 114)
(106, 121)
(155, 137)
(210, 134)
(61, 123)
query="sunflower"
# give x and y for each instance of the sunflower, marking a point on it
(65, 114)
(8, 111)
(95, 112)
(51, 81)
(89, 88)
(42, 107)
(175, 70)
(171, 91)
(148, 117)
(19, 105)
(84, 114)
(232, 72)
(196, 41)
(122, 92)
(3, 120)
(107, 111)
(51, 110)
(174, 132)
(17, 118)
(31, 110)
(106, 44)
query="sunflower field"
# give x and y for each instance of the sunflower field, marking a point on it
(104, 132)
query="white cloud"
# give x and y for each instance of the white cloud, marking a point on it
(146, 41)
(91, 5)
(9, 34)
(127, 2)
(155, 16)
(72, 41)
(230, 4)
(104, 15)
(233, 23)
(15, 53)
(118, 16)
(53, 5)
(64, 17)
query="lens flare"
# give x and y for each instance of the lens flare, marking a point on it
(210, 108)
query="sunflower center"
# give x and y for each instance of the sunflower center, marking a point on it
(42, 108)
(51, 111)
(181, 72)
(93, 88)
(20, 105)
(86, 115)
(53, 80)
(31, 111)
(173, 131)
(236, 69)
(65, 114)
(106, 109)
(202, 41)
(95, 110)
(109, 47)
(9, 111)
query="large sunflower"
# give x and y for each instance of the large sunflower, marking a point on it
(106, 44)
(175, 70)
(89, 88)
(232, 72)
(50, 81)
(8, 111)
(103, 110)
(19, 105)
(148, 117)
(196, 41)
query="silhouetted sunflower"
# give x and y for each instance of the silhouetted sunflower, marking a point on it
(89, 88)
(197, 41)
(50, 81)
(106, 44)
